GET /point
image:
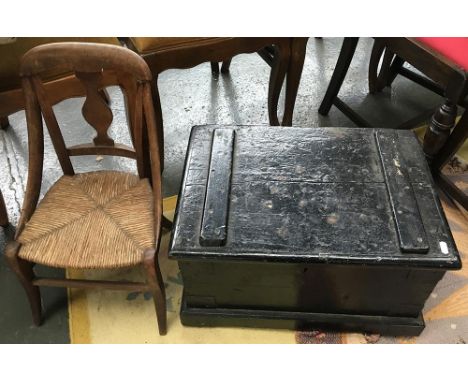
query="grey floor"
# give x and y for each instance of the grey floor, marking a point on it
(189, 97)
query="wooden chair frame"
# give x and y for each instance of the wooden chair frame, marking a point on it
(442, 138)
(97, 66)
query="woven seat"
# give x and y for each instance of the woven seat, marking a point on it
(94, 220)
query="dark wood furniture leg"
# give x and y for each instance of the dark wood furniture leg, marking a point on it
(385, 71)
(344, 60)
(455, 140)
(278, 73)
(214, 68)
(395, 67)
(296, 64)
(226, 65)
(156, 287)
(25, 273)
(4, 122)
(439, 128)
(376, 54)
(3, 212)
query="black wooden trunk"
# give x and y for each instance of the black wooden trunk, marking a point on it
(308, 227)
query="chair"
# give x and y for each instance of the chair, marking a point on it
(161, 53)
(95, 220)
(444, 63)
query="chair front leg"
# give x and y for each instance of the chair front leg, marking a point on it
(25, 273)
(156, 287)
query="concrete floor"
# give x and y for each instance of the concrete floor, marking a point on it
(189, 97)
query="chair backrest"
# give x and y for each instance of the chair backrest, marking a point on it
(95, 66)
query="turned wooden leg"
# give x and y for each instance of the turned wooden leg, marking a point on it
(156, 287)
(342, 65)
(214, 68)
(277, 76)
(376, 54)
(3, 212)
(296, 64)
(439, 129)
(226, 65)
(455, 140)
(159, 118)
(4, 123)
(25, 273)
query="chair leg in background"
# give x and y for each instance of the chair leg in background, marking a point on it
(214, 68)
(376, 55)
(225, 67)
(25, 273)
(397, 63)
(296, 64)
(156, 287)
(342, 65)
(455, 140)
(385, 71)
(4, 123)
(277, 76)
(439, 128)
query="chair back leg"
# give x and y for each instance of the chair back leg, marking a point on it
(439, 128)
